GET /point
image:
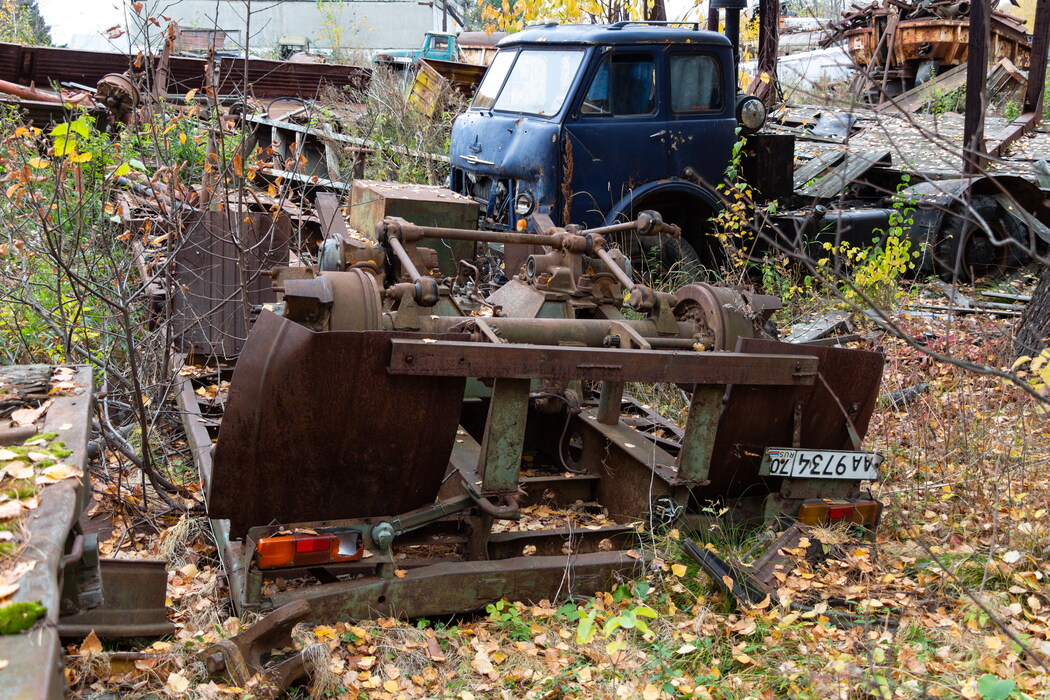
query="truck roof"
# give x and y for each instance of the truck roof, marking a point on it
(619, 33)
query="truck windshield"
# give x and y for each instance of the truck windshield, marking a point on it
(493, 80)
(537, 83)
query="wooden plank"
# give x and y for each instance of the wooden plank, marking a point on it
(816, 167)
(920, 95)
(852, 168)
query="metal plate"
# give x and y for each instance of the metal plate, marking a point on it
(820, 464)
(756, 417)
(316, 429)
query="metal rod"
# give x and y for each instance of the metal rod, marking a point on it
(551, 331)
(457, 234)
(621, 276)
(406, 262)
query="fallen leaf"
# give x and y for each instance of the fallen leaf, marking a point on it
(91, 644)
(10, 509)
(19, 470)
(57, 473)
(7, 590)
(7, 455)
(678, 570)
(28, 416)
(177, 683)
(390, 686)
(400, 573)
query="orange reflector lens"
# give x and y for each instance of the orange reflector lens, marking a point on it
(522, 225)
(824, 512)
(307, 550)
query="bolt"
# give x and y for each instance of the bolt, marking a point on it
(409, 359)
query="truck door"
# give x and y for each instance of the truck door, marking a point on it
(611, 142)
(701, 125)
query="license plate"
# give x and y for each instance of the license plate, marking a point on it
(820, 464)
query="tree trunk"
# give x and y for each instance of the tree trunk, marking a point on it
(656, 13)
(1033, 330)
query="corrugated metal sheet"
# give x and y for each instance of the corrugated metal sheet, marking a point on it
(209, 304)
(266, 79)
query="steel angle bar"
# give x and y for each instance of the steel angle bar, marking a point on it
(453, 587)
(461, 359)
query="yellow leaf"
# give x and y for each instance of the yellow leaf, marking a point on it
(39, 163)
(678, 569)
(400, 573)
(324, 632)
(79, 157)
(650, 692)
(178, 683)
(182, 137)
(390, 686)
(91, 644)
(993, 643)
(191, 94)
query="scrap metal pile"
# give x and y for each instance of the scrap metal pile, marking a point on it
(905, 43)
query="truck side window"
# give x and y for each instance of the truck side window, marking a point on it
(696, 83)
(441, 43)
(623, 86)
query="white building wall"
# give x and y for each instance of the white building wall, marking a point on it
(365, 24)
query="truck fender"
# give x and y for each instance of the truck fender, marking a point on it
(656, 188)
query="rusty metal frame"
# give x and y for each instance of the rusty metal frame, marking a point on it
(493, 565)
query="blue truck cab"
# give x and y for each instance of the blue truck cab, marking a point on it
(441, 46)
(590, 124)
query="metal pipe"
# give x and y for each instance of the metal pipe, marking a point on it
(406, 262)
(621, 276)
(457, 234)
(552, 331)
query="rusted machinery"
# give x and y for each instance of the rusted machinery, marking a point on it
(385, 431)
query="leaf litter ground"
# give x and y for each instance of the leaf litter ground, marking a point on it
(953, 589)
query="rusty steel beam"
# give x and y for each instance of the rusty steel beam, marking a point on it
(1040, 46)
(453, 587)
(976, 93)
(449, 358)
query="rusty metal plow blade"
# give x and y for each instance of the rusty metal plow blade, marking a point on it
(316, 429)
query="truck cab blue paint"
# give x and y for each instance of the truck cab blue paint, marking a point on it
(441, 46)
(646, 106)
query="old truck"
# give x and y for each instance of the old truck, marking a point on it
(594, 123)
(591, 124)
(440, 46)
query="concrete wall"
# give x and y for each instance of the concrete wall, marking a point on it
(365, 24)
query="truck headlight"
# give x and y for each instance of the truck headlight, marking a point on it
(524, 204)
(751, 113)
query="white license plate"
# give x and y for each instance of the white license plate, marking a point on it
(820, 464)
